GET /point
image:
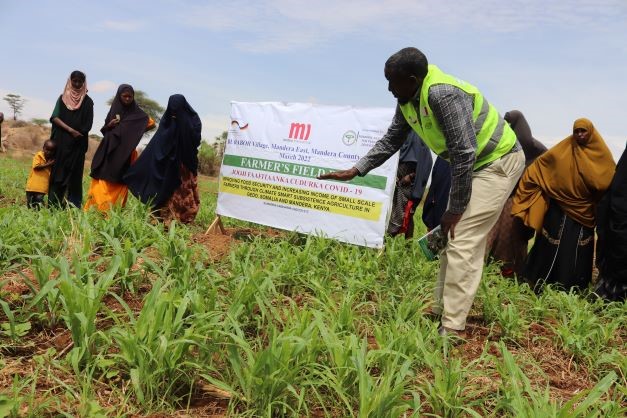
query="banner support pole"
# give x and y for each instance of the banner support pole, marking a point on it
(215, 226)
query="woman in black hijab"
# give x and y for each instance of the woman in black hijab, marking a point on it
(124, 126)
(1, 120)
(165, 174)
(612, 232)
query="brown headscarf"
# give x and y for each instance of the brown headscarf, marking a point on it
(575, 176)
(73, 98)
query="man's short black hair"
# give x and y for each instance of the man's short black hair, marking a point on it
(407, 62)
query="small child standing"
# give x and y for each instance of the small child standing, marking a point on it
(37, 184)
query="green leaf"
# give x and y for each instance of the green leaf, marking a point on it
(6, 406)
(136, 381)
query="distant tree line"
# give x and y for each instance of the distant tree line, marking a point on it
(210, 155)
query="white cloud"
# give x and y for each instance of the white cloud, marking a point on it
(224, 16)
(287, 39)
(213, 125)
(270, 26)
(122, 25)
(101, 86)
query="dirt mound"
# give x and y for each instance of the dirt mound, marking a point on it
(219, 245)
(27, 138)
(20, 135)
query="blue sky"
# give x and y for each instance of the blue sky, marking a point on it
(555, 60)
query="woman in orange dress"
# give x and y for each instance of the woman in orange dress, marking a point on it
(124, 127)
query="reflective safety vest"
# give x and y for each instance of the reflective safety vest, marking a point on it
(495, 138)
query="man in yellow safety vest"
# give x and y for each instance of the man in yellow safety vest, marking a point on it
(458, 124)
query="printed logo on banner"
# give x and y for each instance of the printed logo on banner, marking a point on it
(349, 137)
(238, 125)
(299, 131)
(368, 137)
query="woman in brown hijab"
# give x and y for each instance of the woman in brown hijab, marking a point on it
(557, 197)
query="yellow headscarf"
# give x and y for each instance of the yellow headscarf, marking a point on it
(574, 175)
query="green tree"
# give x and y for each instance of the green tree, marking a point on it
(206, 159)
(210, 155)
(39, 122)
(16, 103)
(148, 105)
(219, 142)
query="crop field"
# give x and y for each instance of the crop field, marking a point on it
(120, 316)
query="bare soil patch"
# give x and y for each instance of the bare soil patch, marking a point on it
(219, 245)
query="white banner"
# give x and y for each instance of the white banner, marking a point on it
(274, 152)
